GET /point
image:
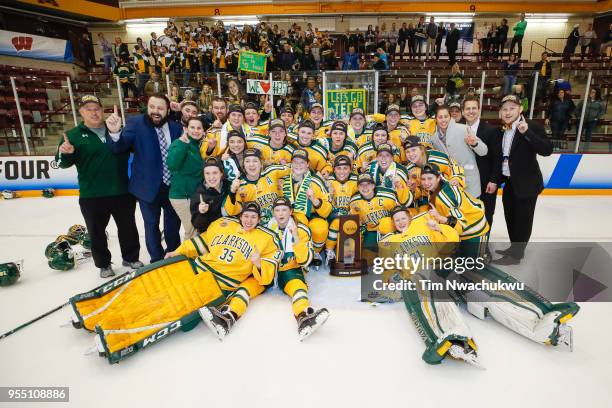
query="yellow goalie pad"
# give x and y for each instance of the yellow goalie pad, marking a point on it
(128, 310)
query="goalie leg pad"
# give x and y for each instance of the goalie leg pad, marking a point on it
(522, 309)
(151, 301)
(440, 325)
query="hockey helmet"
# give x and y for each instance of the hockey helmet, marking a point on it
(60, 255)
(10, 272)
(80, 235)
(48, 193)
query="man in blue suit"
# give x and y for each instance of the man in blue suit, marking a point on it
(149, 136)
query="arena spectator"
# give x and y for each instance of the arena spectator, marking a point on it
(149, 137)
(572, 42)
(393, 36)
(350, 61)
(519, 32)
(587, 42)
(441, 34)
(452, 43)
(544, 68)
(120, 49)
(125, 73)
(594, 112)
(559, 113)
(420, 36)
(103, 185)
(432, 34)
(154, 85)
(307, 98)
(501, 36)
(510, 67)
(107, 53)
(402, 38)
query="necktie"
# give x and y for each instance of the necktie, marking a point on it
(163, 148)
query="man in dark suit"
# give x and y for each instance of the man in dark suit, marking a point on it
(489, 166)
(452, 43)
(149, 136)
(522, 141)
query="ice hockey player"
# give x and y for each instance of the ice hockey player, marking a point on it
(242, 256)
(297, 249)
(342, 185)
(373, 205)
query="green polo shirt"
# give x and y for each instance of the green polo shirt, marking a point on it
(101, 173)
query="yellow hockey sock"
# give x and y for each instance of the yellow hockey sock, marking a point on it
(297, 289)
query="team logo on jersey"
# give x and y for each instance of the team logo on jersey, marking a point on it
(223, 224)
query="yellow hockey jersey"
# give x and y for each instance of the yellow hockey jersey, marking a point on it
(453, 201)
(225, 250)
(264, 191)
(424, 130)
(367, 153)
(348, 149)
(317, 157)
(297, 253)
(269, 154)
(448, 167)
(341, 193)
(296, 194)
(220, 135)
(371, 211)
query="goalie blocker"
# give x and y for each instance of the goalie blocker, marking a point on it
(142, 307)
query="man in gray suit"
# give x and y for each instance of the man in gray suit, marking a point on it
(460, 143)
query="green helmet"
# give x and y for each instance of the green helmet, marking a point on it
(60, 255)
(79, 233)
(48, 193)
(10, 273)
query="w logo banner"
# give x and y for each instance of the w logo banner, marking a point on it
(34, 46)
(22, 43)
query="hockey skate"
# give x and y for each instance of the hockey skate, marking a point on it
(330, 255)
(310, 320)
(219, 320)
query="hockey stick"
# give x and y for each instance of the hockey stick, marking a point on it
(8, 333)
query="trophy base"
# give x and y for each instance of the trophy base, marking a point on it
(346, 270)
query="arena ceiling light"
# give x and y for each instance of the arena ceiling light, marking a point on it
(546, 18)
(452, 17)
(237, 20)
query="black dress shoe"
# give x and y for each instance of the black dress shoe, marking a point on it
(506, 260)
(503, 251)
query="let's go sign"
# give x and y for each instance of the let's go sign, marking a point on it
(252, 62)
(339, 103)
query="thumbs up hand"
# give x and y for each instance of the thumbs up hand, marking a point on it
(66, 147)
(113, 122)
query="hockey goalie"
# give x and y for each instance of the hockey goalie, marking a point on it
(211, 277)
(436, 313)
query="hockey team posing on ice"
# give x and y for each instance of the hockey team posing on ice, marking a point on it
(260, 201)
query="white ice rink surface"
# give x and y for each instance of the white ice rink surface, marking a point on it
(364, 356)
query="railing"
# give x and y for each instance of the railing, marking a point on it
(546, 49)
(485, 83)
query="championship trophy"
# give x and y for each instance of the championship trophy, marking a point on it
(348, 251)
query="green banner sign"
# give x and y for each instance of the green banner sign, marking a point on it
(340, 103)
(252, 62)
